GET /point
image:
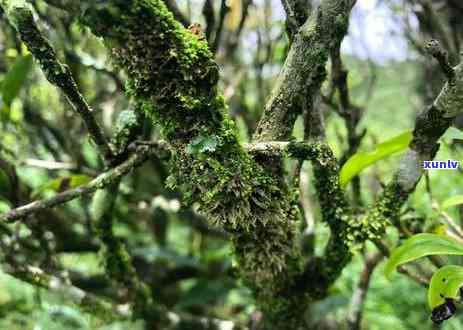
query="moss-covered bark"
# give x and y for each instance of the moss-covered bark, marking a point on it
(174, 78)
(304, 69)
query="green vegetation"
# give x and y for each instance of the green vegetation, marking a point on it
(179, 185)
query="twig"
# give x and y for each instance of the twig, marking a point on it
(224, 9)
(401, 269)
(354, 318)
(137, 158)
(48, 164)
(233, 40)
(172, 6)
(434, 48)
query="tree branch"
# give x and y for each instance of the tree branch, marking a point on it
(21, 17)
(304, 69)
(435, 49)
(297, 12)
(430, 125)
(354, 317)
(86, 301)
(141, 154)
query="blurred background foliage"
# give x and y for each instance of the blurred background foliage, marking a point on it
(44, 149)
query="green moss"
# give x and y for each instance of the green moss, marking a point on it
(173, 76)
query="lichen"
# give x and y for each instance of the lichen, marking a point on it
(128, 125)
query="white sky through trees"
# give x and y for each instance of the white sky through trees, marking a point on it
(375, 31)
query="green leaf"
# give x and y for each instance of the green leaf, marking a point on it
(445, 283)
(5, 205)
(15, 78)
(422, 245)
(362, 160)
(202, 144)
(102, 202)
(61, 184)
(453, 133)
(452, 201)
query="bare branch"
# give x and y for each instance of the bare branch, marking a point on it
(179, 16)
(224, 9)
(209, 16)
(354, 318)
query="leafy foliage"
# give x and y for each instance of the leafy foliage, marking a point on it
(422, 245)
(362, 160)
(14, 79)
(64, 183)
(452, 201)
(445, 283)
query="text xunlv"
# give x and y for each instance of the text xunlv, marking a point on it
(440, 164)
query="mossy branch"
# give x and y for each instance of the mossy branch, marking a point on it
(297, 12)
(173, 76)
(85, 300)
(430, 125)
(304, 69)
(21, 17)
(118, 262)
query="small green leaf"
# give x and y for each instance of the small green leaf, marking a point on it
(202, 144)
(102, 201)
(453, 133)
(15, 78)
(452, 201)
(61, 184)
(422, 245)
(445, 283)
(5, 205)
(362, 160)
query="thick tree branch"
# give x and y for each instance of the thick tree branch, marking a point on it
(172, 75)
(304, 69)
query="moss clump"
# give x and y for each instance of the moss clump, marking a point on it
(174, 78)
